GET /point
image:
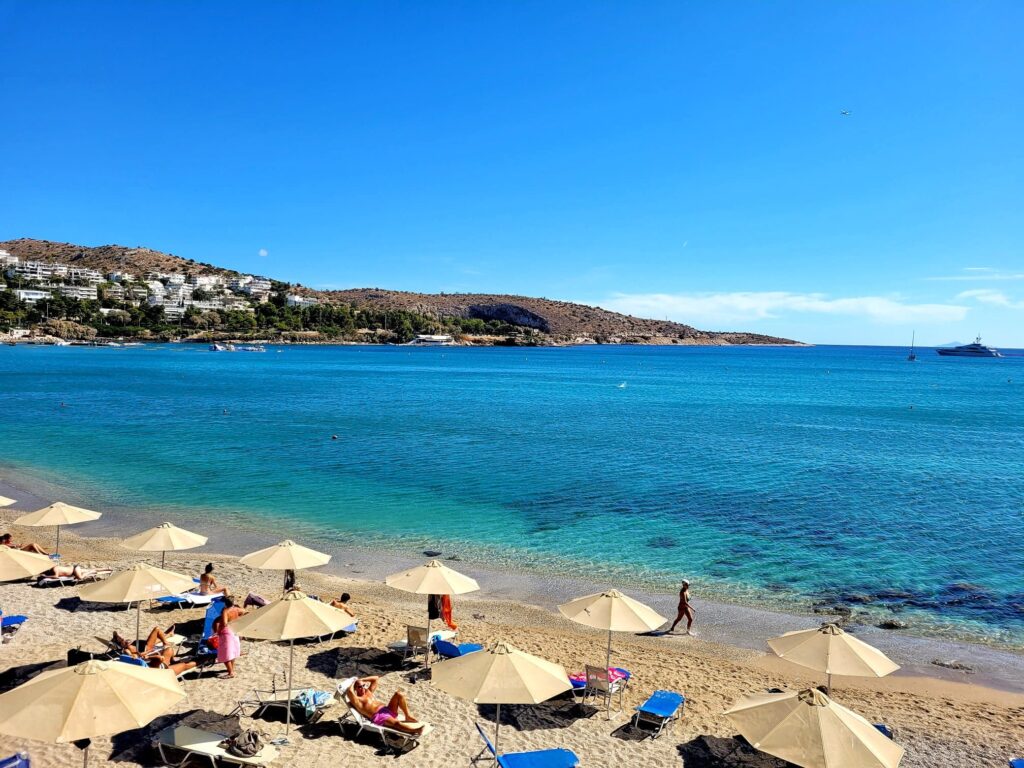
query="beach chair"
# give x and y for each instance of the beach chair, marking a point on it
(20, 760)
(205, 744)
(542, 758)
(397, 741)
(69, 581)
(599, 685)
(126, 659)
(188, 600)
(447, 650)
(304, 698)
(1017, 763)
(12, 622)
(416, 641)
(661, 710)
(886, 731)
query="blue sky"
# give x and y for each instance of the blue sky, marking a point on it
(682, 160)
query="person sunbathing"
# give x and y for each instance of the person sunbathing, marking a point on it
(342, 604)
(157, 651)
(5, 541)
(208, 583)
(360, 696)
(76, 572)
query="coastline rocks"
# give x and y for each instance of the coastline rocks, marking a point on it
(829, 609)
(892, 624)
(432, 552)
(957, 665)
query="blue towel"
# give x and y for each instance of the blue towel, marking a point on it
(662, 704)
(547, 758)
(886, 731)
(15, 761)
(13, 621)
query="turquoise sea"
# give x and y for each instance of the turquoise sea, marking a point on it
(771, 476)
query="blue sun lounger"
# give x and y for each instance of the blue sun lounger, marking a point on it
(543, 758)
(12, 621)
(448, 650)
(1018, 763)
(661, 710)
(886, 731)
(15, 761)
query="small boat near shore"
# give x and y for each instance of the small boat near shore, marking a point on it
(977, 349)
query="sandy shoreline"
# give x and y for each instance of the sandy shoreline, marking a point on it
(729, 624)
(940, 722)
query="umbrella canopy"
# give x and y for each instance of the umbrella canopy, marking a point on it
(807, 728)
(17, 564)
(94, 698)
(432, 578)
(135, 584)
(5, 502)
(500, 675)
(165, 538)
(293, 616)
(830, 650)
(58, 514)
(286, 556)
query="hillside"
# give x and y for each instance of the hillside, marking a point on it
(542, 320)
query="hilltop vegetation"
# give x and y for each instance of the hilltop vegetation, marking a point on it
(288, 312)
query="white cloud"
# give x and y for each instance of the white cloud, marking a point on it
(990, 297)
(263, 252)
(980, 274)
(766, 305)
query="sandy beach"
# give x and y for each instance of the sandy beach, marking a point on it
(941, 722)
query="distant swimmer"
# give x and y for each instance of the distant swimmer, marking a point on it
(845, 112)
(63, 404)
(685, 610)
(622, 385)
(334, 437)
(225, 411)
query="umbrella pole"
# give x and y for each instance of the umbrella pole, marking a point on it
(163, 557)
(497, 730)
(608, 666)
(828, 685)
(56, 550)
(138, 621)
(291, 662)
(85, 759)
(428, 639)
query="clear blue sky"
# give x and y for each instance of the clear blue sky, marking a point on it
(671, 159)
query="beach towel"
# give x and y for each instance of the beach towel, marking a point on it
(579, 679)
(446, 612)
(229, 647)
(311, 700)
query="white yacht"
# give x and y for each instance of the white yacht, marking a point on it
(432, 340)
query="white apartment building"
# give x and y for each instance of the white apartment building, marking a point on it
(257, 287)
(37, 270)
(121, 277)
(115, 292)
(31, 296)
(6, 259)
(239, 283)
(83, 292)
(300, 301)
(206, 281)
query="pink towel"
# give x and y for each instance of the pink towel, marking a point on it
(229, 648)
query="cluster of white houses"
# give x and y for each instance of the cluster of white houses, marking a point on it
(173, 291)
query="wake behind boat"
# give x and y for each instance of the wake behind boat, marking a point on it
(977, 349)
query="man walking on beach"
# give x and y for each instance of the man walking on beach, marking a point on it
(684, 609)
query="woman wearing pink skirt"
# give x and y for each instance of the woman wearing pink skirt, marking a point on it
(228, 646)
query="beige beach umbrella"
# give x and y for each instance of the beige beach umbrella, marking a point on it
(432, 578)
(614, 612)
(286, 556)
(164, 538)
(18, 564)
(57, 514)
(501, 674)
(830, 650)
(94, 698)
(133, 585)
(5, 502)
(807, 728)
(293, 616)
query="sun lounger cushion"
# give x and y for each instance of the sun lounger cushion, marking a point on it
(12, 621)
(546, 758)
(884, 729)
(188, 598)
(207, 744)
(662, 704)
(15, 761)
(453, 650)
(579, 679)
(1017, 763)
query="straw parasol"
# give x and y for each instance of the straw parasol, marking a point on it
(500, 675)
(57, 514)
(135, 584)
(18, 564)
(830, 650)
(293, 616)
(94, 698)
(164, 538)
(614, 612)
(432, 578)
(286, 556)
(807, 728)
(6, 502)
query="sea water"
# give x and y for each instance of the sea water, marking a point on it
(794, 477)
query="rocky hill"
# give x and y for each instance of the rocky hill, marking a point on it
(548, 320)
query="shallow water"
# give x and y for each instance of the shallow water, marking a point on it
(774, 476)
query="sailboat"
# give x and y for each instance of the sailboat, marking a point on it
(912, 357)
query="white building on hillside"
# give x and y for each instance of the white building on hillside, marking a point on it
(300, 301)
(31, 296)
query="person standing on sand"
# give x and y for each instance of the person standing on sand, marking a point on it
(229, 647)
(685, 610)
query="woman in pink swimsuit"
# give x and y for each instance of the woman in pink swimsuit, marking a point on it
(229, 647)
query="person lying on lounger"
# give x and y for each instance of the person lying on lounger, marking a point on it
(360, 696)
(76, 572)
(5, 541)
(157, 651)
(342, 604)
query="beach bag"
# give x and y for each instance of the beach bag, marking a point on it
(246, 744)
(254, 599)
(213, 641)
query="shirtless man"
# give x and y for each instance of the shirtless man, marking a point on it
(360, 696)
(685, 610)
(342, 604)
